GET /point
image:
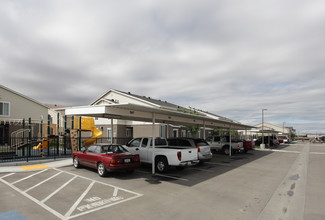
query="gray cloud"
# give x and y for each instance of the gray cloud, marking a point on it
(232, 58)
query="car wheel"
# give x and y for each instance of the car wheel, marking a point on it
(226, 150)
(161, 164)
(76, 163)
(101, 169)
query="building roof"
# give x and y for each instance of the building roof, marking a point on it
(23, 96)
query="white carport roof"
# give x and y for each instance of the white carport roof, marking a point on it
(136, 112)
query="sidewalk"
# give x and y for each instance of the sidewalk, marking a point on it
(34, 165)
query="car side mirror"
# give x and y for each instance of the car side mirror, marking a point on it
(83, 149)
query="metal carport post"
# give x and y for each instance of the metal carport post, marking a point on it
(153, 142)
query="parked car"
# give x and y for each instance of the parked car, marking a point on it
(222, 143)
(204, 150)
(165, 156)
(269, 141)
(106, 158)
(248, 145)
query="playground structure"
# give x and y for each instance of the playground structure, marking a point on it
(83, 124)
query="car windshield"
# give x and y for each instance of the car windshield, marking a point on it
(201, 142)
(113, 149)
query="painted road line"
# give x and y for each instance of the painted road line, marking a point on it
(34, 167)
(33, 199)
(317, 153)
(29, 176)
(221, 164)
(199, 169)
(81, 206)
(9, 174)
(40, 183)
(171, 177)
(157, 174)
(74, 206)
(57, 190)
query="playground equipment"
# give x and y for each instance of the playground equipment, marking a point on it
(43, 144)
(88, 124)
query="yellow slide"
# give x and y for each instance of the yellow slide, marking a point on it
(88, 124)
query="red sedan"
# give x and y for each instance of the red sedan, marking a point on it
(106, 158)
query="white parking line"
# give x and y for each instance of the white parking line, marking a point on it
(199, 169)
(171, 177)
(9, 174)
(93, 203)
(317, 153)
(166, 176)
(56, 191)
(68, 214)
(40, 183)
(27, 177)
(221, 164)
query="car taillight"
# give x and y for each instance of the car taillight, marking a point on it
(198, 149)
(116, 160)
(136, 158)
(238, 145)
(179, 155)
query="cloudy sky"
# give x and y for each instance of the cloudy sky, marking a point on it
(229, 57)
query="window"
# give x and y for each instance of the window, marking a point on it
(175, 132)
(91, 149)
(129, 132)
(134, 143)
(4, 109)
(144, 142)
(109, 133)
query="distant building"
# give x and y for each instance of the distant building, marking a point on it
(16, 108)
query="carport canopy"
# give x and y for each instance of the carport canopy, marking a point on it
(134, 112)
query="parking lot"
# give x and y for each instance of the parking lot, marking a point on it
(285, 183)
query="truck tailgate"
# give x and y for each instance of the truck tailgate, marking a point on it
(189, 154)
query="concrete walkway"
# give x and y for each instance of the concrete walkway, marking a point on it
(34, 165)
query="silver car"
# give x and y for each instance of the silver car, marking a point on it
(204, 151)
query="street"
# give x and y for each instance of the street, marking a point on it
(284, 183)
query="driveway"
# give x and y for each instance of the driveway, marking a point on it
(285, 183)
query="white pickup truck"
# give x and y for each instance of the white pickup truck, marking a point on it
(221, 143)
(165, 156)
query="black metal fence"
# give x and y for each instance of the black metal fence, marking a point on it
(27, 149)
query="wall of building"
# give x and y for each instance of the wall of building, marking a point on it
(21, 107)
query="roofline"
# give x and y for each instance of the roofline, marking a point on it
(26, 97)
(124, 94)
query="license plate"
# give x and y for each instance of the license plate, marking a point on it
(127, 160)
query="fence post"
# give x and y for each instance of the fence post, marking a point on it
(65, 135)
(29, 137)
(57, 132)
(23, 148)
(42, 153)
(48, 134)
(80, 133)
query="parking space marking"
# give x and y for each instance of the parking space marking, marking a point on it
(317, 153)
(171, 177)
(79, 200)
(199, 169)
(27, 177)
(56, 191)
(221, 164)
(166, 176)
(81, 205)
(44, 181)
(9, 174)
